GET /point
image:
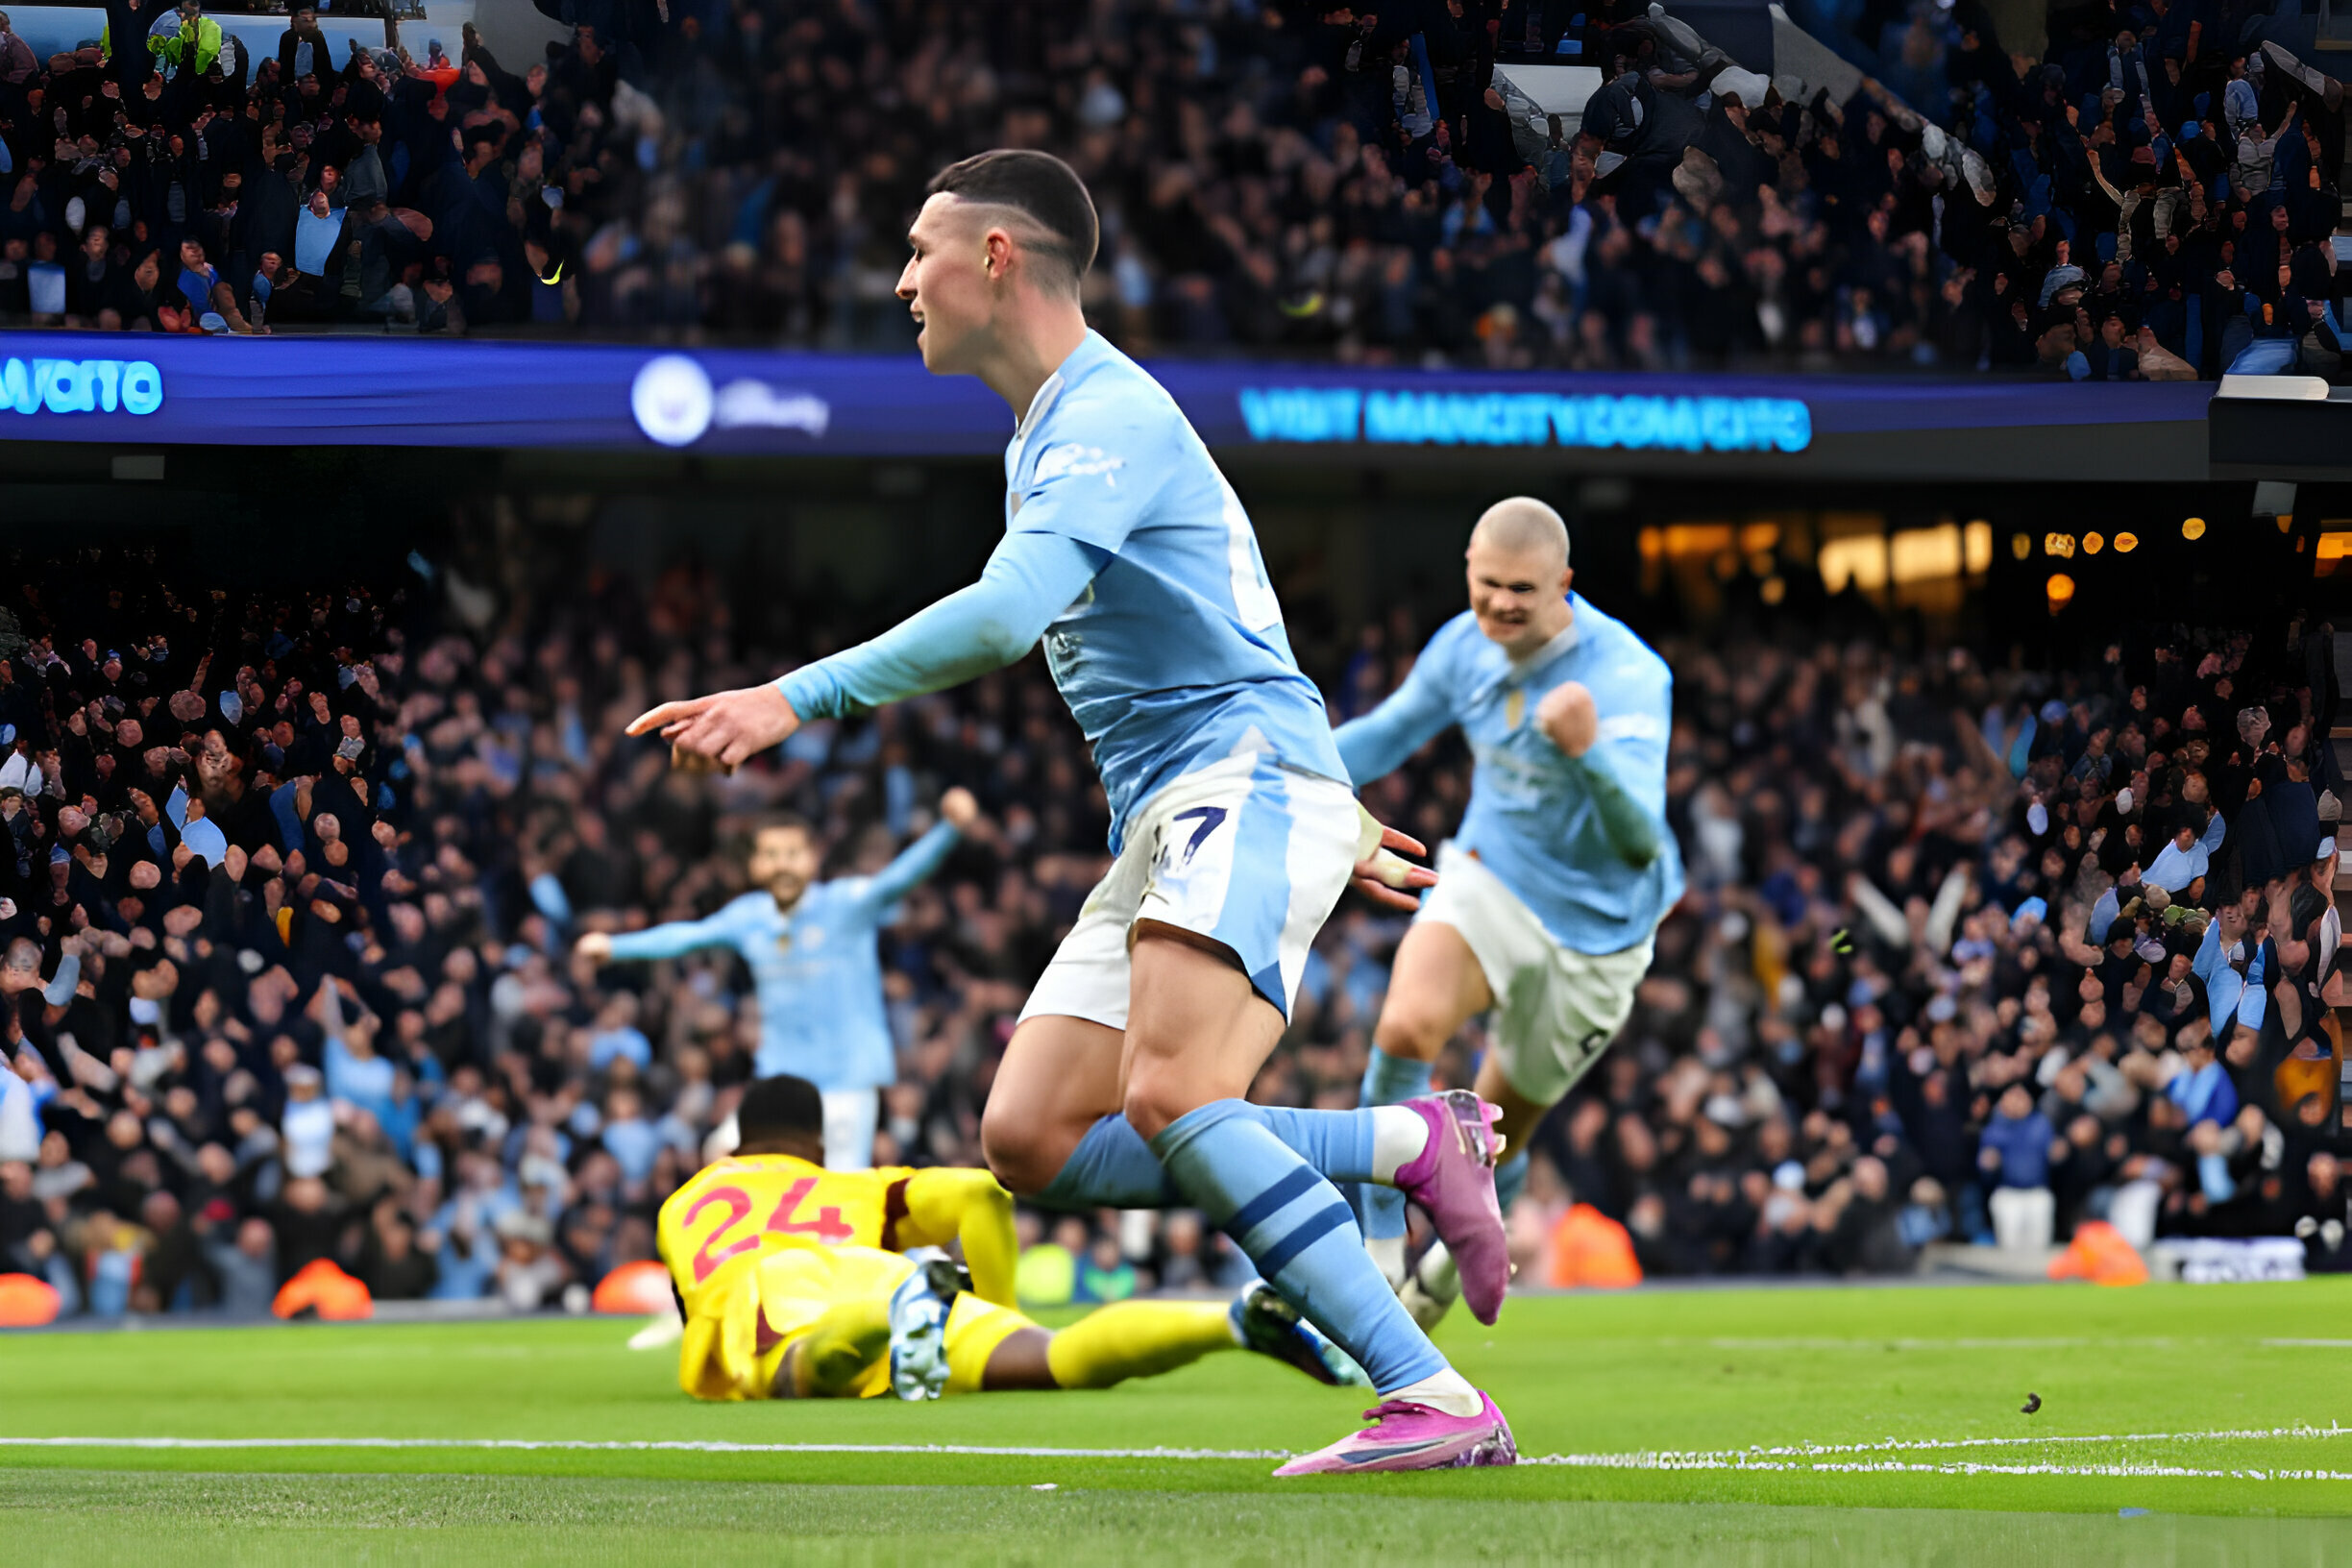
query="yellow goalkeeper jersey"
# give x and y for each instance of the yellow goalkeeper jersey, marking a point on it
(758, 1203)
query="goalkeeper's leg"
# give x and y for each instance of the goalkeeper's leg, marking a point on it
(829, 1359)
(1126, 1339)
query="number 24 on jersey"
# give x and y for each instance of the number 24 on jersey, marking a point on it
(827, 1227)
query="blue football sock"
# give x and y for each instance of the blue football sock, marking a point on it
(1111, 1167)
(1511, 1180)
(1291, 1222)
(1389, 1080)
(1338, 1144)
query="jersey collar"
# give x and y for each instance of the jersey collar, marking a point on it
(1046, 396)
(1568, 638)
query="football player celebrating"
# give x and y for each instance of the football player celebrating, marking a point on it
(1550, 893)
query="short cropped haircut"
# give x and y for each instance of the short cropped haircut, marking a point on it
(1522, 522)
(1041, 187)
(779, 1108)
(776, 822)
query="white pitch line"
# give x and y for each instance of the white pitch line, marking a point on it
(1963, 1468)
(644, 1445)
(1816, 1458)
(1912, 1444)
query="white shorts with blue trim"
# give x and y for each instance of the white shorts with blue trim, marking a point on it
(1556, 1009)
(1247, 853)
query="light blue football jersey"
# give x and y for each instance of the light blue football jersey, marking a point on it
(1530, 819)
(1175, 655)
(815, 967)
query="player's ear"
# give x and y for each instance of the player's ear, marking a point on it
(1567, 577)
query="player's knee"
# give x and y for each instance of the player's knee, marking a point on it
(1419, 1033)
(1156, 1099)
(1018, 1150)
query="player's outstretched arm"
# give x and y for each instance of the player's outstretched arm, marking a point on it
(1031, 577)
(674, 939)
(952, 1204)
(1567, 716)
(1376, 744)
(958, 811)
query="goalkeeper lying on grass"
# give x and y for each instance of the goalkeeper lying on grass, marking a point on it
(794, 1283)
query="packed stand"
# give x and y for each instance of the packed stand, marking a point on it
(1299, 179)
(289, 887)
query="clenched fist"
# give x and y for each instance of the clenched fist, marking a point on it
(1567, 716)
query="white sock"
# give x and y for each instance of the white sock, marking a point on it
(1388, 1257)
(1447, 1390)
(1437, 1274)
(1399, 1135)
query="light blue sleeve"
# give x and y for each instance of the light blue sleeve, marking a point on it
(915, 862)
(678, 937)
(59, 991)
(1376, 744)
(2215, 830)
(2208, 954)
(2252, 1000)
(1625, 770)
(1031, 578)
(338, 1059)
(337, 1055)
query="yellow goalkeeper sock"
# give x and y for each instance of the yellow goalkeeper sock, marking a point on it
(1136, 1339)
(840, 1346)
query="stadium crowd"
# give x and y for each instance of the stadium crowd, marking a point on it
(2140, 203)
(289, 886)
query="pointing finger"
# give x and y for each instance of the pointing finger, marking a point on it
(667, 712)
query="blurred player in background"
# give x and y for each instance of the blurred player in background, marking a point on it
(1549, 895)
(810, 946)
(794, 1284)
(1232, 824)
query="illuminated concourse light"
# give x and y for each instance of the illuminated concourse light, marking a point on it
(2192, 529)
(2060, 545)
(2061, 591)
(1773, 589)
(2093, 544)
(2021, 545)
(2126, 543)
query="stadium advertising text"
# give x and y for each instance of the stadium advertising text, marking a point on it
(1525, 419)
(81, 386)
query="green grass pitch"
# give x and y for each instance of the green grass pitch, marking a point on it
(1743, 1425)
